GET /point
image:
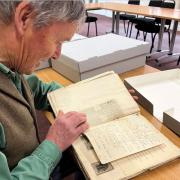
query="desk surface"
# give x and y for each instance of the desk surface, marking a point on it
(170, 171)
(165, 13)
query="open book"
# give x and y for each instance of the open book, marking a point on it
(120, 143)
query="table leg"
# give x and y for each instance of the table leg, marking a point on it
(173, 37)
(113, 21)
(161, 32)
(117, 22)
(172, 42)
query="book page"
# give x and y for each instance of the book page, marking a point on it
(127, 167)
(122, 137)
(102, 113)
(95, 92)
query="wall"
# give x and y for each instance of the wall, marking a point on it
(177, 4)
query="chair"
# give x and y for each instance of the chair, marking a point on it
(153, 27)
(178, 61)
(90, 19)
(154, 3)
(126, 17)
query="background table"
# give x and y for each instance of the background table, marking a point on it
(155, 12)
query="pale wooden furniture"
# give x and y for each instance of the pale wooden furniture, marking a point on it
(163, 13)
(170, 171)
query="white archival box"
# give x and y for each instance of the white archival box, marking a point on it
(45, 64)
(91, 56)
(77, 37)
(159, 93)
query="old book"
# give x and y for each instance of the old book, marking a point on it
(120, 143)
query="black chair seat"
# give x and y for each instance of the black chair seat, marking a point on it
(148, 28)
(126, 16)
(142, 20)
(90, 19)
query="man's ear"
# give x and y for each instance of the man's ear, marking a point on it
(22, 18)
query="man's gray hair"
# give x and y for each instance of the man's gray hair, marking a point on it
(46, 11)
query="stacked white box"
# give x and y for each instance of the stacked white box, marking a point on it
(159, 93)
(77, 37)
(91, 56)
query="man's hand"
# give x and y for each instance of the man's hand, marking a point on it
(131, 91)
(67, 128)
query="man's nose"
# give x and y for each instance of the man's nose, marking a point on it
(57, 53)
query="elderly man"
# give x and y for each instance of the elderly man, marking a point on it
(32, 31)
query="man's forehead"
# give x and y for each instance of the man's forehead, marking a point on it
(65, 30)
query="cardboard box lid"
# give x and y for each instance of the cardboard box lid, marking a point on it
(91, 53)
(162, 89)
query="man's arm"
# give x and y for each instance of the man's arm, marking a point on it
(38, 165)
(40, 90)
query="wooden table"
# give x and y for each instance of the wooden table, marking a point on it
(170, 171)
(155, 12)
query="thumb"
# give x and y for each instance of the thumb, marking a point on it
(60, 113)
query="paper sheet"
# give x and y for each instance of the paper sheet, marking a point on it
(122, 137)
(94, 92)
(127, 167)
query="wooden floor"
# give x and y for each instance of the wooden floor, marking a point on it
(104, 26)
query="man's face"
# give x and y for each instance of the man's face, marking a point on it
(43, 43)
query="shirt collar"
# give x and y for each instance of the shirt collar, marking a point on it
(14, 76)
(4, 69)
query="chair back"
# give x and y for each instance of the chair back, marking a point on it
(168, 4)
(135, 2)
(163, 3)
(155, 3)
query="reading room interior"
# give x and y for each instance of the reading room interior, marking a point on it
(90, 89)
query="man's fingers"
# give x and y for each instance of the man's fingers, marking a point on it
(71, 113)
(83, 127)
(135, 97)
(131, 91)
(76, 118)
(79, 121)
(60, 113)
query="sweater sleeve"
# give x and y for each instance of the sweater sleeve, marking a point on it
(39, 165)
(40, 90)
